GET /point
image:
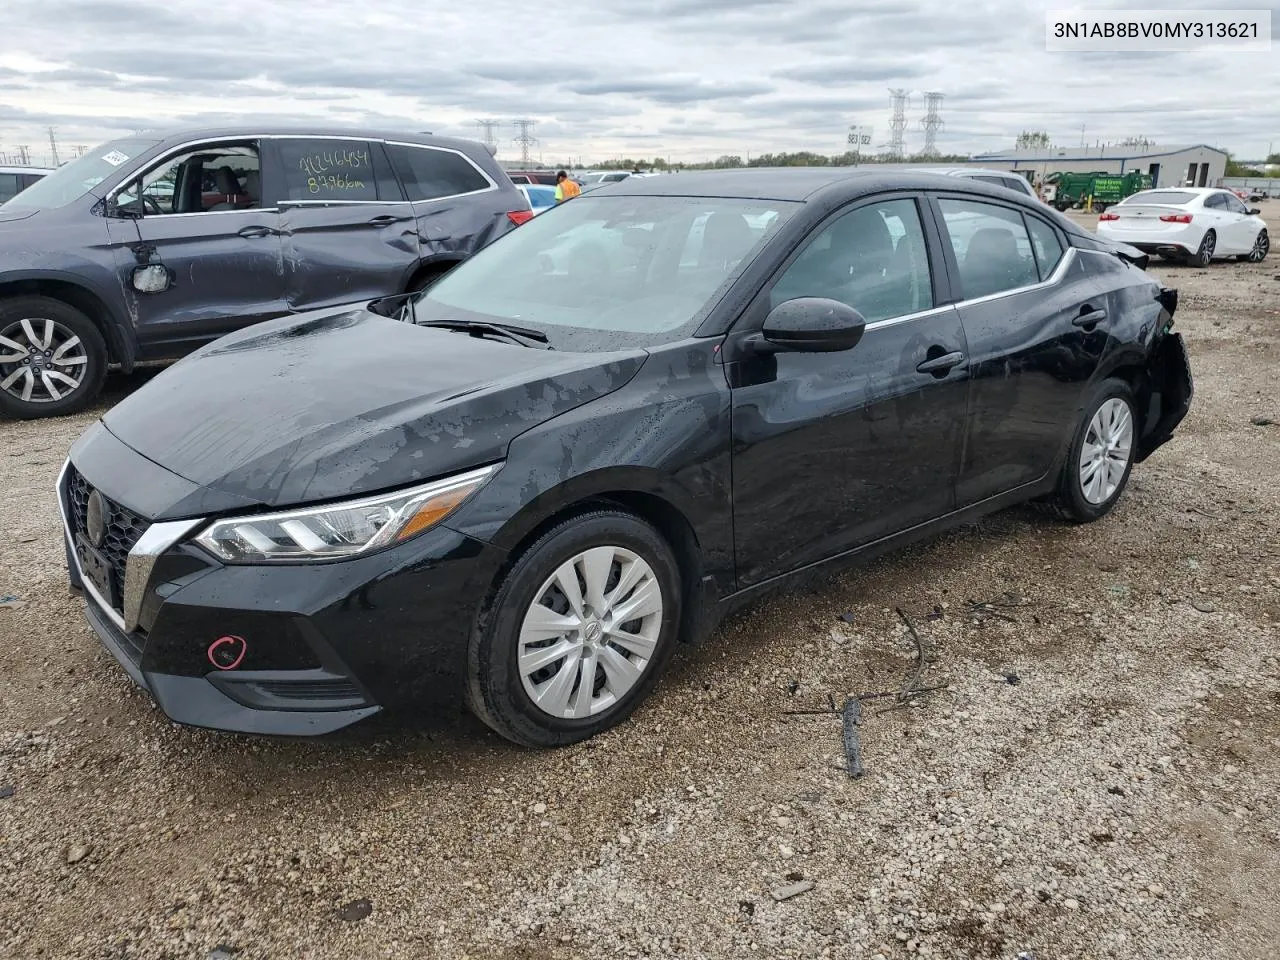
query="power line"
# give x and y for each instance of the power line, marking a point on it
(526, 138)
(931, 123)
(487, 136)
(898, 123)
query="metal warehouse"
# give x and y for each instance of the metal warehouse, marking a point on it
(1202, 165)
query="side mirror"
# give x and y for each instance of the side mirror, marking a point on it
(1255, 212)
(814, 325)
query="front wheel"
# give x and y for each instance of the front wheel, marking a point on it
(578, 632)
(52, 358)
(1261, 247)
(1100, 457)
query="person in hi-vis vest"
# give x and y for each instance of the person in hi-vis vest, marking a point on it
(566, 189)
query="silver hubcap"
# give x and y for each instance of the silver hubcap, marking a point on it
(1206, 246)
(1261, 245)
(40, 360)
(1105, 454)
(590, 633)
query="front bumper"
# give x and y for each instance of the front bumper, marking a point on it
(324, 644)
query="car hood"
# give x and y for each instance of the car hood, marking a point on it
(332, 404)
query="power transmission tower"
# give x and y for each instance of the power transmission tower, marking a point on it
(526, 138)
(898, 123)
(487, 136)
(931, 123)
(53, 146)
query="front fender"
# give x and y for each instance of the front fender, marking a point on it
(101, 287)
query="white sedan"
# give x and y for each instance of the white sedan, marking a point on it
(1192, 224)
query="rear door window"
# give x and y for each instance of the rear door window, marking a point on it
(1046, 245)
(430, 173)
(991, 245)
(9, 186)
(337, 171)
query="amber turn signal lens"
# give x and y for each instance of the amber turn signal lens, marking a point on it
(433, 511)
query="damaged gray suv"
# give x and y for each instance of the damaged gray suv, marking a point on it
(148, 247)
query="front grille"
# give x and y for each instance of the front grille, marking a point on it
(124, 527)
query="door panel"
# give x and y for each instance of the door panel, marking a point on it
(833, 451)
(836, 450)
(201, 216)
(348, 234)
(1034, 344)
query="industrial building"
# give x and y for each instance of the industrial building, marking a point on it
(1201, 165)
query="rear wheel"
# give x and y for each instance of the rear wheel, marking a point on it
(1100, 458)
(578, 632)
(52, 358)
(1203, 256)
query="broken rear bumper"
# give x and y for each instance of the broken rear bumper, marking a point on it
(1172, 388)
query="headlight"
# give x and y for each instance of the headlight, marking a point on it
(339, 530)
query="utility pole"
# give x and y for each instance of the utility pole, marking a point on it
(487, 136)
(931, 123)
(53, 146)
(526, 138)
(898, 123)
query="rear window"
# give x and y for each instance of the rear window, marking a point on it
(1174, 198)
(430, 174)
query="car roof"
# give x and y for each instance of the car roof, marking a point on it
(171, 134)
(796, 183)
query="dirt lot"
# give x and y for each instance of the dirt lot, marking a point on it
(1096, 781)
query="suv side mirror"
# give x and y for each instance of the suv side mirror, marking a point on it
(814, 325)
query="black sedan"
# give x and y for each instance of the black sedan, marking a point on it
(580, 448)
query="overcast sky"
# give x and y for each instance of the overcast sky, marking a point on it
(688, 79)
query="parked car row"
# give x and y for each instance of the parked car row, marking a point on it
(527, 484)
(150, 246)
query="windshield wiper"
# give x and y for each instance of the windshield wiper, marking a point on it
(508, 330)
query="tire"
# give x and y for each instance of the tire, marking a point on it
(1074, 500)
(31, 376)
(501, 694)
(1204, 256)
(1261, 247)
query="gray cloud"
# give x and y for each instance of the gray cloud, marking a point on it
(670, 76)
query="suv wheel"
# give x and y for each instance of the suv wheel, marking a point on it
(52, 358)
(578, 632)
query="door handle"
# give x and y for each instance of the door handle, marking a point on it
(253, 233)
(1089, 317)
(942, 364)
(385, 220)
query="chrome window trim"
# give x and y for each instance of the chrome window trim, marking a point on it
(906, 317)
(207, 213)
(1063, 265)
(158, 538)
(492, 186)
(284, 204)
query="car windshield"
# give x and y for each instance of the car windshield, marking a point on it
(73, 180)
(1174, 198)
(611, 272)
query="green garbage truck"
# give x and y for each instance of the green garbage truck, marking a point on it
(1076, 189)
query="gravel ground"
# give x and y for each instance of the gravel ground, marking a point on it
(1095, 781)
